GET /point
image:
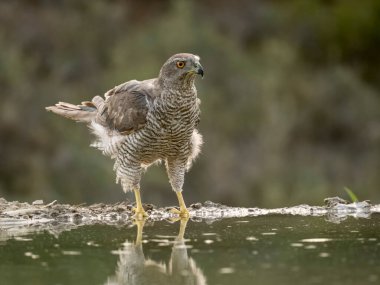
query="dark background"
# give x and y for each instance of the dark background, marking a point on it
(290, 98)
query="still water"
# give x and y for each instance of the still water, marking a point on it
(257, 250)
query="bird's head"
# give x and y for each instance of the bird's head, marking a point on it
(180, 70)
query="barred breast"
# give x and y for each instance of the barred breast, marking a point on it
(168, 131)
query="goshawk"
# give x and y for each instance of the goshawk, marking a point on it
(138, 123)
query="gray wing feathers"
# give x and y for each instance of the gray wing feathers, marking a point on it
(124, 112)
(98, 102)
(124, 87)
(124, 109)
(126, 106)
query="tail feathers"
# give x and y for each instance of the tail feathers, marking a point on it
(85, 112)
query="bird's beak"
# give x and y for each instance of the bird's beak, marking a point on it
(199, 69)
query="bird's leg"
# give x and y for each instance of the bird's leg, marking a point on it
(182, 212)
(182, 205)
(139, 210)
(140, 225)
(176, 173)
(182, 228)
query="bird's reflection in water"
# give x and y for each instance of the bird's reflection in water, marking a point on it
(133, 268)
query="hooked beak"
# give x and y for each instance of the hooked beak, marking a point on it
(199, 69)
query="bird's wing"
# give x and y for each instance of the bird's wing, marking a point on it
(127, 105)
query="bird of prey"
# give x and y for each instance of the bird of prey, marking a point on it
(138, 123)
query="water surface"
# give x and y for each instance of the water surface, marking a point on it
(256, 250)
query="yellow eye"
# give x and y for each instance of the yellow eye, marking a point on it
(180, 64)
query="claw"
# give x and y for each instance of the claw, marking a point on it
(140, 214)
(183, 213)
(139, 210)
(178, 218)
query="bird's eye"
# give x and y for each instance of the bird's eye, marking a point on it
(180, 64)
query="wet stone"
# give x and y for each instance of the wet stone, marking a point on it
(196, 206)
(40, 214)
(148, 207)
(212, 204)
(333, 201)
(120, 210)
(77, 216)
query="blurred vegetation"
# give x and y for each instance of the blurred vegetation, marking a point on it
(290, 100)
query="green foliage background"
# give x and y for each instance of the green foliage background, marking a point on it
(290, 100)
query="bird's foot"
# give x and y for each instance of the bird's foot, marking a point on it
(178, 218)
(140, 213)
(182, 212)
(140, 225)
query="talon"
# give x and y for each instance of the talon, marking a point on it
(174, 211)
(183, 213)
(139, 210)
(140, 214)
(183, 220)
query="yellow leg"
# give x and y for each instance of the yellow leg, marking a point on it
(182, 228)
(139, 210)
(140, 226)
(183, 212)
